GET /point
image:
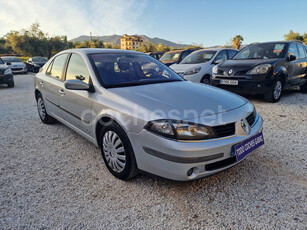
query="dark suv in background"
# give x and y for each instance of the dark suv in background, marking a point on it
(264, 68)
(175, 56)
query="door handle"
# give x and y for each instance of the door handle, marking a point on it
(301, 65)
(61, 91)
(42, 83)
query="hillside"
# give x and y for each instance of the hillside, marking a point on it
(115, 39)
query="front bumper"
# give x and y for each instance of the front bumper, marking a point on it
(173, 159)
(5, 79)
(19, 70)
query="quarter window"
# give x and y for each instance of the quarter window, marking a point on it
(293, 50)
(77, 69)
(301, 50)
(56, 67)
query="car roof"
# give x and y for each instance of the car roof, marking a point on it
(102, 50)
(215, 49)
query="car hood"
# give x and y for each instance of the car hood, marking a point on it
(17, 65)
(245, 64)
(40, 63)
(179, 100)
(181, 68)
(168, 63)
(3, 66)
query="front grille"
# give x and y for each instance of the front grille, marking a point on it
(241, 73)
(220, 164)
(17, 69)
(224, 130)
(251, 119)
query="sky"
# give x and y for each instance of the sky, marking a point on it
(206, 22)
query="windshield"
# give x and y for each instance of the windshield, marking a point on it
(122, 69)
(1, 62)
(11, 59)
(39, 59)
(262, 51)
(174, 56)
(198, 57)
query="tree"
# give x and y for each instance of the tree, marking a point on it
(237, 41)
(296, 36)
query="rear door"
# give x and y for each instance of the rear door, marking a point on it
(302, 64)
(52, 83)
(77, 104)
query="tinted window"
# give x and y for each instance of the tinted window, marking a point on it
(11, 59)
(1, 62)
(121, 69)
(293, 50)
(199, 57)
(262, 51)
(184, 54)
(56, 67)
(301, 50)
(221, 56)
(231, 53)
(77, 69)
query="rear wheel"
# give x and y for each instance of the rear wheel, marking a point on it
(42, 112)
(274, 94)
(117, 152)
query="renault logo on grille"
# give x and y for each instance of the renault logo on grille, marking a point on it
(230, 71)
(245, 126)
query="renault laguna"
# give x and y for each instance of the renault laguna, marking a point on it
(144, 117)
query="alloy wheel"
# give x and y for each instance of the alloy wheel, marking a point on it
(277, 90)
(41, 108)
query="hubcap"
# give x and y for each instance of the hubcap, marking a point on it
(114, 151)
(206, 81)
(277, 90)
(41, 108)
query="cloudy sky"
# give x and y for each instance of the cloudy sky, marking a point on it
(210, 22)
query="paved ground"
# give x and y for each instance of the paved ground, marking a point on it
(50, 177)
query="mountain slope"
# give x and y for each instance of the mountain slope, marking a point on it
(115, 39)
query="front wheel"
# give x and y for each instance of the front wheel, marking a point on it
(11, 84)
(303, 87)
(205, 80)
(42, 112)
(117, 152)
(274, 94)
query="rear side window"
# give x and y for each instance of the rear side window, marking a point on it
(231, 53)
(301, 51)
(56, 67)
(77, 69)
(293, 50)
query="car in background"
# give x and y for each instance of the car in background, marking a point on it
(264, 68)
(175, 56)
(197, 67)
(137, 116)
(35, 63)
(6, 74)
(16, 65)
(156, 55)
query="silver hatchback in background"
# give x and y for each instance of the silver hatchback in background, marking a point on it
(144, 117)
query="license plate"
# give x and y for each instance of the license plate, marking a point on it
(246, 147)
(229, 82)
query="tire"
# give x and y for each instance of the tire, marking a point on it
(303, 87)
(117, 152)
(205, 80)
(11, 84)
(43, 115)
(275, 92)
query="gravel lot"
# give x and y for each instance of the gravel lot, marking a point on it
(50, 177)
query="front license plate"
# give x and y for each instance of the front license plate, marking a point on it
(247, 146)
(229, 82)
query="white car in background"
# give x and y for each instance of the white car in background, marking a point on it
(197, 67)
(16, 65)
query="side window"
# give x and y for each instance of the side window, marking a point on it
(56, 67)
(221, 56)
(184, 54)
(231, 53)
(301, 50)
(77, 69)
(293, 50)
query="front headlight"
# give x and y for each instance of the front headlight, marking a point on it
(8, 71)
(192, 71)
(180, 130)
(214, 69)
(260, 69)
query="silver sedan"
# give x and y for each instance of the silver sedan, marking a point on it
(145, 117)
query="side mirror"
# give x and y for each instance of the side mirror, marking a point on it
(8, 63)
(76, 85)
(216, 62)
(291, 57)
